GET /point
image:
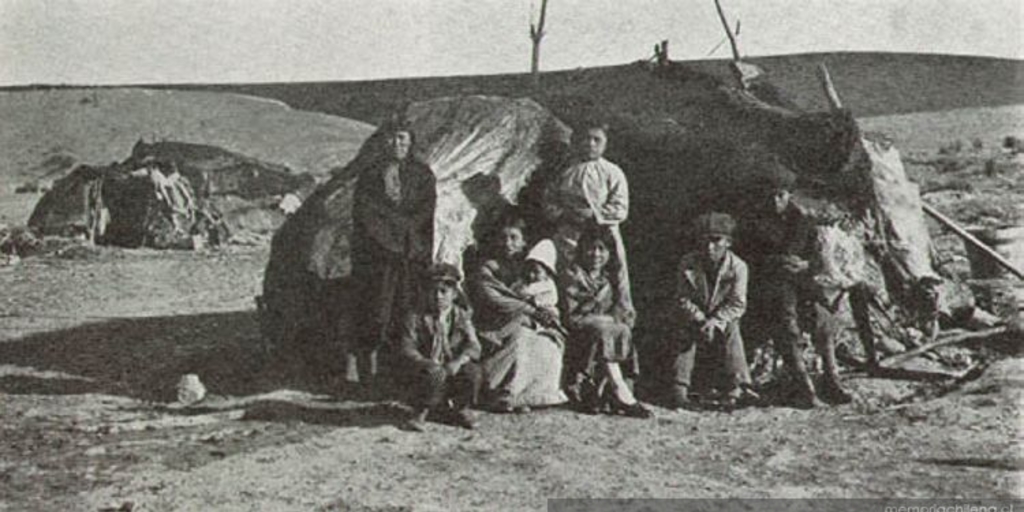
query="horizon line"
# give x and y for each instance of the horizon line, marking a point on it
(79, 85)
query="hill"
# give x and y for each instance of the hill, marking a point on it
(872, 84)
(47, 132)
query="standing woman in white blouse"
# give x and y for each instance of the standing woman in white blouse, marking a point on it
(591, 191)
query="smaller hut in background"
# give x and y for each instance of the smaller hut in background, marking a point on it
(170, 195)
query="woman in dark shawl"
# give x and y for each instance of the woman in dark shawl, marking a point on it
(392, 241)
(522, 343)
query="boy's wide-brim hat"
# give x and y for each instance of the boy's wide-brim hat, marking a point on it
(545, 254)
(714, 224)
(444, 273)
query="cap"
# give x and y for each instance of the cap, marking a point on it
(714, 224)
(545, 254)
(444, 273)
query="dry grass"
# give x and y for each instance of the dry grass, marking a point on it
(925, 133)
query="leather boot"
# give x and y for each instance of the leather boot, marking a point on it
(418, 421)
(860, 298)
(463, 418)
(806, 396)
(832, 389)
(366, 366)
(590, 398)
(679, 397)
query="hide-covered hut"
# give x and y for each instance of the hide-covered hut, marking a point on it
(167, 193)
(688, 142)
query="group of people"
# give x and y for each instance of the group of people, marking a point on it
(542, 324)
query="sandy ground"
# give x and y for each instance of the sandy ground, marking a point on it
(94, 342)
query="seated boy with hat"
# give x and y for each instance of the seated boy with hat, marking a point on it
(438, 352)
(711, 297)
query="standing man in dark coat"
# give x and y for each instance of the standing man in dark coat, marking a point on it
(392, 243)
(439, 352)
(778, 241)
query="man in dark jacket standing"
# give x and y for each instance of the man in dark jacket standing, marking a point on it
(778, 241)
(392, 243)
(439, 353)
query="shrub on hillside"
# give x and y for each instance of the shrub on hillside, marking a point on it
(1003, 168)
(31, 187)
(940, 185)
(991, 169)
(984, 211)
(1013, 144)
(952, 148)
(951, 164)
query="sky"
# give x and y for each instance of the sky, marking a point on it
(213, 41)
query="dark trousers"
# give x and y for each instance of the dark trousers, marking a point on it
(383, 291)
(430, 386)
(784, 312)
(720, 363)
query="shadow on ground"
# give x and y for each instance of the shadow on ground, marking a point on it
(143, 358)
(1010, 464)
(362, 417)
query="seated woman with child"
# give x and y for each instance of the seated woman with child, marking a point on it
(522, 337)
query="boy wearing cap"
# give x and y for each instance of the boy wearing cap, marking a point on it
(778, 239)
(439, 350)
(711, 297)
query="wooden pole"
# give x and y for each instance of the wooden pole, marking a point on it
(830, 89)
(536, 35)
(662, 53)
(948, 340)
(728, 32)
(971, 239)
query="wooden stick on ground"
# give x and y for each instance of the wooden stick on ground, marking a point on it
(971, 239)
(948, 340)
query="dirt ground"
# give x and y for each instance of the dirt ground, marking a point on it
(94, 340)
(93, 343)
